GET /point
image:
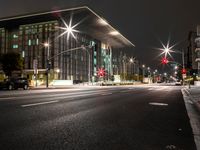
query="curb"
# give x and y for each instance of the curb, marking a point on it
(195, 102)
(193, 115)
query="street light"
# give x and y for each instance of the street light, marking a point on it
(143, 69)
(46, 45)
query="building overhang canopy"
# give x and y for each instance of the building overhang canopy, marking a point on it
(90, 23)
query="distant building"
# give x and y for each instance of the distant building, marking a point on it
(190, 53)
(197, 50)
(27, 35)
(126, 65)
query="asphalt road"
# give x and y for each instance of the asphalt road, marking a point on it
(118, 118)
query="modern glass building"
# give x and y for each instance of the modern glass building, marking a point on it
(94, 39)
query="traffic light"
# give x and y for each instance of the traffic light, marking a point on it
(184, 71)
(164, 60)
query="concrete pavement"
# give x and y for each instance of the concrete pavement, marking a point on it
(192, 102)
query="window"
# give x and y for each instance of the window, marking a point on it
(37, 42)
(15, 46)
(15, 36)
(29, 42)
(95, 53)
(95, 61)
(23, 54)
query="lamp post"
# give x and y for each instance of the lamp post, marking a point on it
(143, 69)
(149, 74)
(46, 45)
(89, 76)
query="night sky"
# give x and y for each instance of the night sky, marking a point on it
(143, 22)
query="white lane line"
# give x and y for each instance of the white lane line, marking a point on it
(4, 98)
(42, 103)
(158, 104)
(106, 94)
(57, 95)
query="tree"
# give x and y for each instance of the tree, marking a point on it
(10, 62)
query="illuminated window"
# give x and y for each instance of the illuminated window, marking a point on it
(15, 36)
(37, 42)
(29, 42)
(95, 61)
(23, 54)
(95, 53)
(15, 46)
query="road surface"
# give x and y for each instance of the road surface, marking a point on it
(105, 118)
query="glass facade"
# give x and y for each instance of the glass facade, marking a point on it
(29, 39)
(2, 40)
(31, 42)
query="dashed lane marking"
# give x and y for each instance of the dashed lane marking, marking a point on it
(104, 94)
(41, 103)
(158, 104)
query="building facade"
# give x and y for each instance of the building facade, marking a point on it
(192, 55)
(197, 50)
(93, 38)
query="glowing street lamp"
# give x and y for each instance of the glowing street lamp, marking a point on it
(143, 70)
(167, 49)
(176, 67)
(46, 45)
(57, 70)
(131, 60)
(69, 29)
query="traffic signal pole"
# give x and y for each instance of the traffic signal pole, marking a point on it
(47, 69)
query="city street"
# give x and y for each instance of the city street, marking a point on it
(95, 118)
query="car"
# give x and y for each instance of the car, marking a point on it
(14, 83)
(77, 81)
(178, 83)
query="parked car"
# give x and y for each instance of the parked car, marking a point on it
(77, 81)
(178, 82)
(14, 83)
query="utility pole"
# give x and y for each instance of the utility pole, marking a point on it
(48, 67)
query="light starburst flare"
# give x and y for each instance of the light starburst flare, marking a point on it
(69, 29)
(166, 50)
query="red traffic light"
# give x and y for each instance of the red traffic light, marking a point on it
(184, 71)
(101, 72)
(164, 60)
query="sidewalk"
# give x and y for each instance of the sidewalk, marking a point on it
(192, 102)
(81, 85)
(60, 86)
(194, 93)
